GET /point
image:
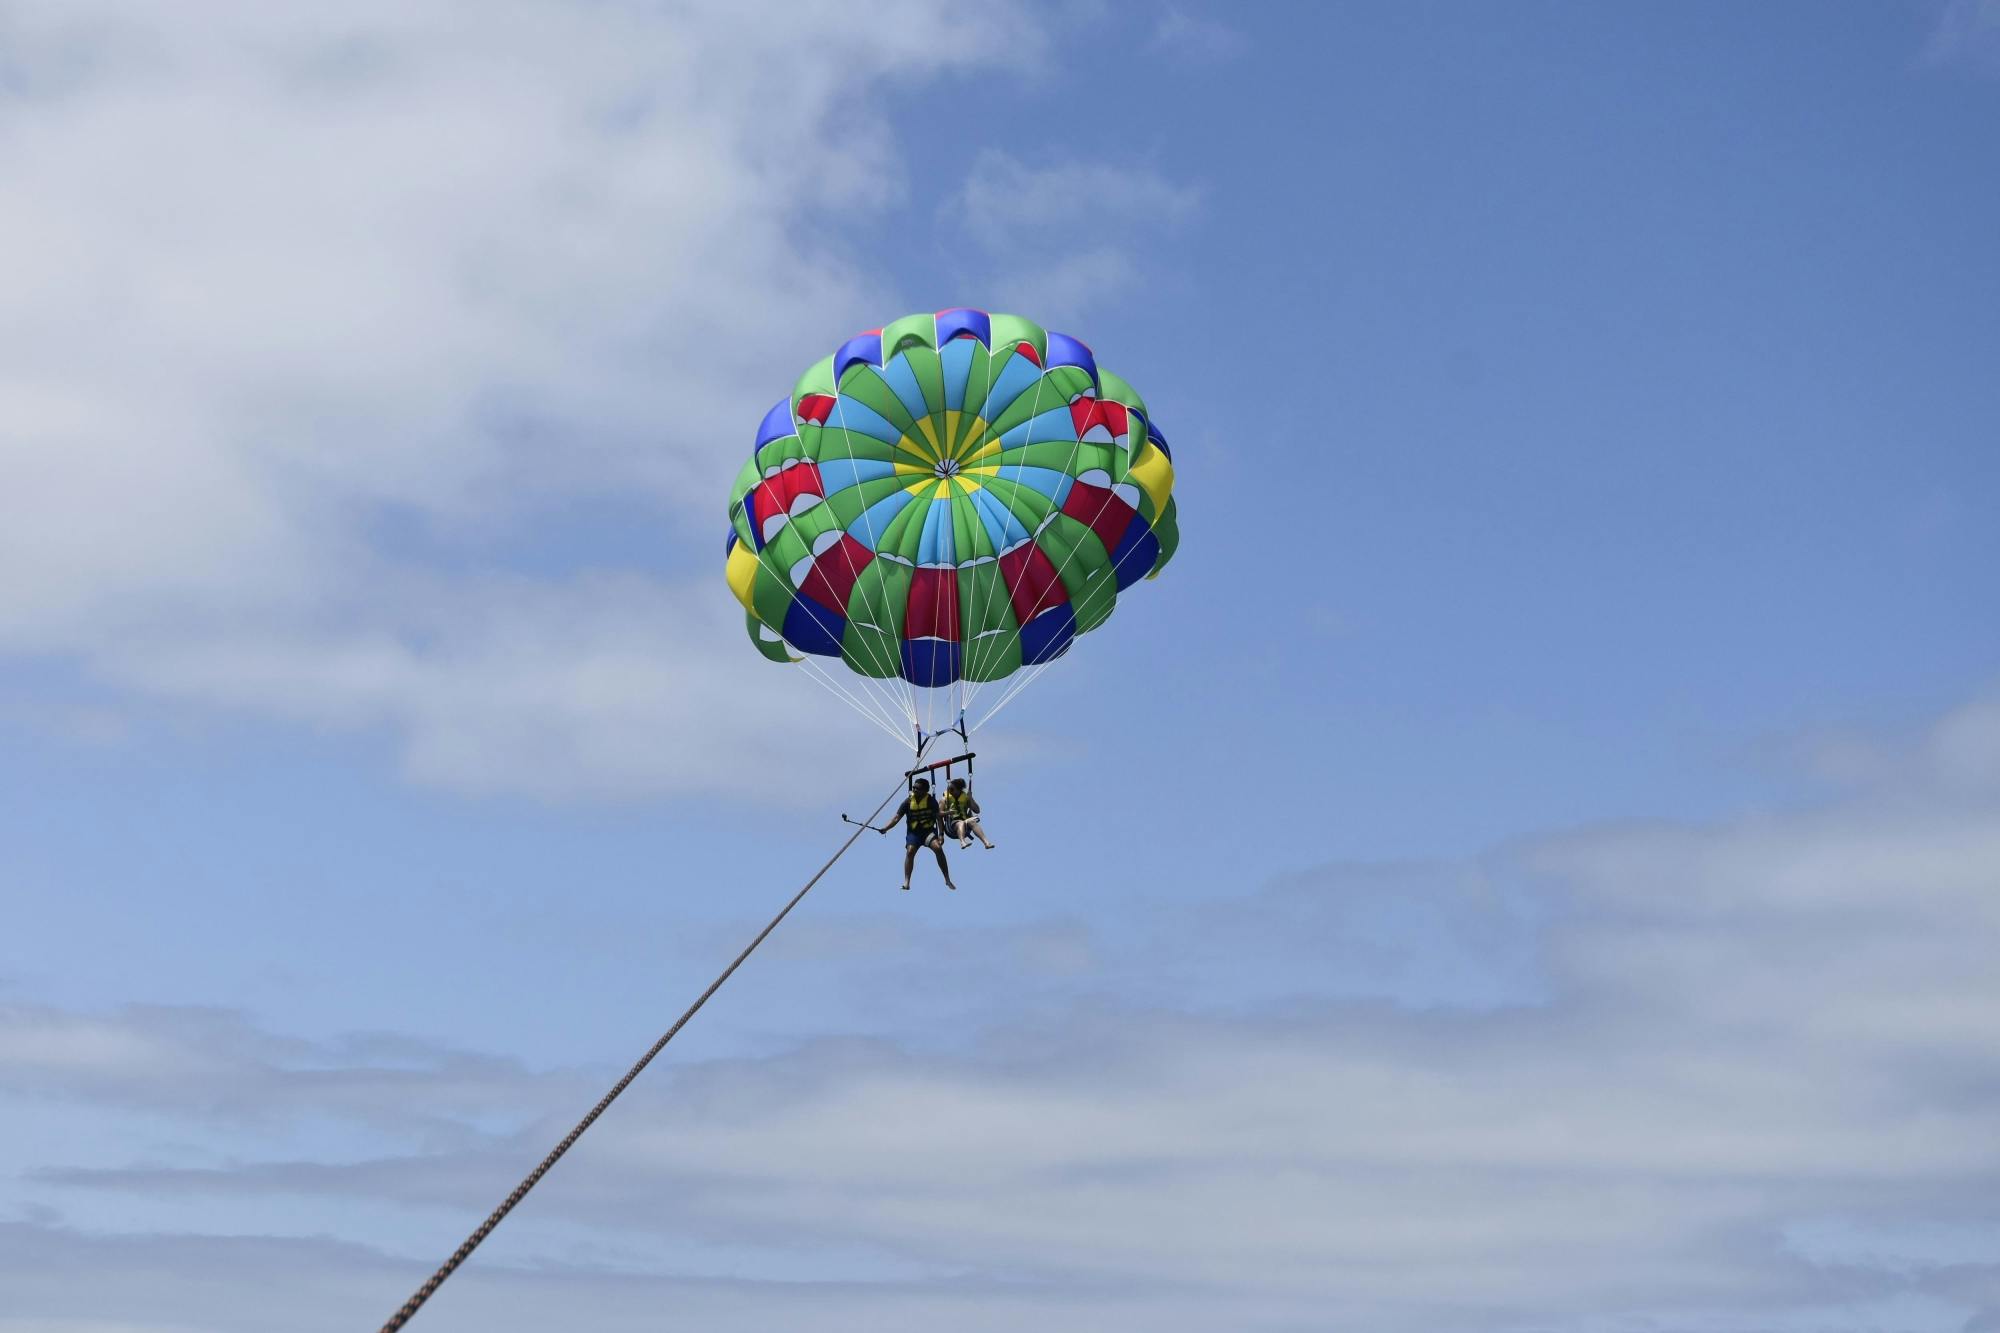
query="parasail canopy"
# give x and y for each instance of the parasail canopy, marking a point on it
(944, 503)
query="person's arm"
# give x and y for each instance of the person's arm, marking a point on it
(897, 818)
(972, 805)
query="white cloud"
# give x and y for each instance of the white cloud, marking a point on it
(1966, 30)
(1964, 747)
(1194, 37)
(1006, 200)
(1756, 1090)
(1058, 235)
(270, 273)
(214, 1067)
(1955, 757)
(604, 686)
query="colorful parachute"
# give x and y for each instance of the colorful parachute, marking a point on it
(945, 501)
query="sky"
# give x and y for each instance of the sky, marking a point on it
(1532, 862)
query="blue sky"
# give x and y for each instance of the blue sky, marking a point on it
(1528, 864)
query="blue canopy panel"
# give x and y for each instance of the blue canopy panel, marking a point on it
(902, 382)
(955, 360)
(964, 323)
(1002, 528)
(855, 415)
(1064, 350)
(777, 424)
(1137, 549)
(837, 474)
(1015, 378)
(1056, 485)
(876, 518)
(1055, 425)
(1047, 635)
(811, 628)
(861, 349)
(936, 546)
(930, 663)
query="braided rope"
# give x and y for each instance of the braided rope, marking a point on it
(485, 1229)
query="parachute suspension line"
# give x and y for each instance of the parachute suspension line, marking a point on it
(1069, 468)
(1012, 641)
(893, 708)
(464, 1251)
(886, 703)
(764, 559)
(874, 714)
(872, 709)
(871, 712)
(1034, 410)
(891, 670)
(967, 686)
(1014, 689)
(948, 573)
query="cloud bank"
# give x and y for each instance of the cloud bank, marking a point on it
(1751, 1085)
(328, 341)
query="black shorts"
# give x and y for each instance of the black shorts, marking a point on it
(912, 838)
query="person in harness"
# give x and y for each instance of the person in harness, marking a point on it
(961, 815)
(921, 816)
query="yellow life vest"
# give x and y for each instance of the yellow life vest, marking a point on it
(923, 813)
(958, 807)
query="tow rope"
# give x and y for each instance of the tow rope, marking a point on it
(485, 1229)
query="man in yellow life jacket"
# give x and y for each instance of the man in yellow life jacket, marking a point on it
(961, 815)
(920, 809)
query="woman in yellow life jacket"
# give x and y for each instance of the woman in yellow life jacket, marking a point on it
(921, 811)
(961, 815)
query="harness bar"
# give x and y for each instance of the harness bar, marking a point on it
(965, 759)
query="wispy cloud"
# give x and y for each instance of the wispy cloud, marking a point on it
(587, 686)
(1197, 37)
(1007, 202)
(214, 1067)
(1966, 30)
(1956, 755)
(1059, 235)
(271, 278)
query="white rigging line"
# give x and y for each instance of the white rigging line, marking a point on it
(968, 689)
(874, 709)
(943, 575)
(880, 607)
(876, 713)
(1013, 692)
(1054, 509)
(896, 697)
(1034, 411)
(1014, 689)
(825, 678)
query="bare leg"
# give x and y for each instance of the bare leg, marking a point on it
(944, 867)
(909, 863)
